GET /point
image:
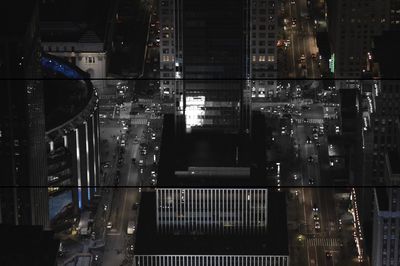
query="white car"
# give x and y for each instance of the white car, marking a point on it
(317, 225)
(109, 225)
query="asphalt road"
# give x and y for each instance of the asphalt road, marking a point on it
(327, 238)
(302, 41)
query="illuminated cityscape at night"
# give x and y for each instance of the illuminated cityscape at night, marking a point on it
(200, 133)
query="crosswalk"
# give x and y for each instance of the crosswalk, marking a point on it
(323, 242)
(140, 116)
(138, 121)
(310, 120)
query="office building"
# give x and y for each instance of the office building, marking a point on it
(263, 53)
(211, 205)
(352, 27)
(78, 35)
(384, 98)
(28, 245)
(22, 119)
(195, 43)
(79, 46)
(380, 92)
(72, 138)
(386, 219)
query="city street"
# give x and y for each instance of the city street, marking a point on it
(300, 57)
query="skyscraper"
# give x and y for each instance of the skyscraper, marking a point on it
(352, 26)
(210, 51)
(386, 245)
(211, 205)
(23, 197)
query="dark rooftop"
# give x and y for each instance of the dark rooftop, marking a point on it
(387, 54)
(15, 17)
(88, 14)
(383, 199)
(273, 242)
(65, 92)
(217, 157)
(27, 245)
(394, 160)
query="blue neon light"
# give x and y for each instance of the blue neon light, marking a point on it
(60, 68)
(80, 197)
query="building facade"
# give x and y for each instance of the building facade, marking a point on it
(352, 27)
(72, 138)
(263, 51)
(23, 196)
(157, 260)
(215, 210)
(386, 219)
(257, 52)
(78, 46)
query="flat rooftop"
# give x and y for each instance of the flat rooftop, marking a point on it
(394, 160)
(382, 198)
(27, 245)
(273, 242)
(66, 93)
(386, 53)
(16, 17)
(211, 158)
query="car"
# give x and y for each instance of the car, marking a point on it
(109, 225)
(153, 174)
(310, 159)
(316, 217)
(311, 181)
(153, 136)
(328, 255)
(308, 140)
(292, 2)
(141, 162)
(293, 23)
(156, 148)
(143, 152)
(314, 56)
(317, 225)
(317, 143)
(302, 57)
(315, 136)
(315, 208)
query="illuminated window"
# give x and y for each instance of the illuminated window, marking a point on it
(254, 59)
(271, 58)
(261, 58)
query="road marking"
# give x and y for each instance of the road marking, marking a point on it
(310, 120)
(138, 121)
(323, 242)
(114, 234)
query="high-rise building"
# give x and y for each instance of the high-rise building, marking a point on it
(211, 205)
(263, 53)
(76, 36)
(24, 196)
(386, 219)
(352, 26)
(210, 51)
(380, 92)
